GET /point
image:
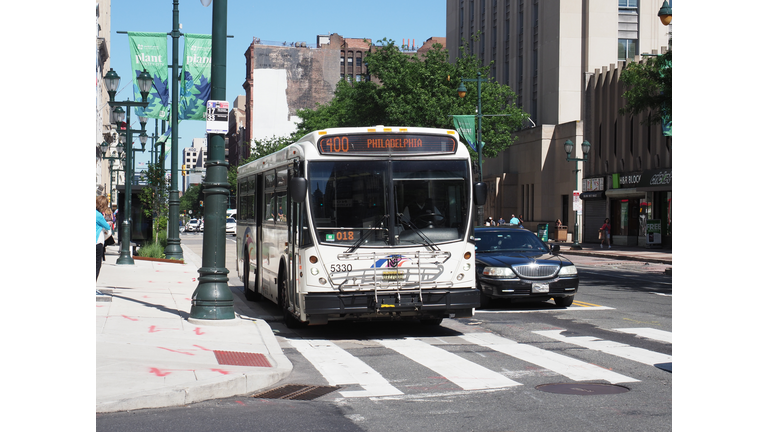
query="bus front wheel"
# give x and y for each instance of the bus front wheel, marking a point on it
(290, 320)
(249, 295)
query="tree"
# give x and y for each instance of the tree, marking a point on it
(649, 87)
(418, 91)
(154, 197)
(191, 200)
(259, 148)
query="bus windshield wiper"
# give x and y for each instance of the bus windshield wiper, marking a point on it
(368, 232)
(418, 231)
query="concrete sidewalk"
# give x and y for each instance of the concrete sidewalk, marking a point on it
(150, 355)
(629, 253)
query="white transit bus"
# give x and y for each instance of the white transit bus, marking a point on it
(361, 224)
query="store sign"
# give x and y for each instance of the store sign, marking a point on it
(657, 179)
(626, 180)
(593, 184)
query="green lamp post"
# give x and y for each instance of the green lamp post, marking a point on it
(119, 115)
(462, 91)
(104, 149)
(568, 146)
(213, 300)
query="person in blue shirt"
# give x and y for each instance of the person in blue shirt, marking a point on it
(101, 227)
(514, 221)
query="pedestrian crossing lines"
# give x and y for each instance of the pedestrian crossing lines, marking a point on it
(340, 367)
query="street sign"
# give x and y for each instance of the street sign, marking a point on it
(217, 117)
(576, 201)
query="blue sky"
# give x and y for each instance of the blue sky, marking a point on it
(297, 20)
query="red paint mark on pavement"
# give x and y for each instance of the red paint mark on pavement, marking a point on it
(153, 329)
(127, 317)
(240, 402)
(180, 352)
(221, 371)
(158, 372)
(202, 348)
(198, 331)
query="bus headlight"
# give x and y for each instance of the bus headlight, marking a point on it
(314, 271)
(467, 266)
(323, 281)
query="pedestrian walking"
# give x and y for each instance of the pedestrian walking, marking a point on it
(514, 221)
(102, 228)
(605, 233)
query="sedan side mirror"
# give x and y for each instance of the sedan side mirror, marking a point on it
(555, 249)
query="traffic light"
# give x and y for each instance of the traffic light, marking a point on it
(201, 203)
(183, 170)
(122, 126)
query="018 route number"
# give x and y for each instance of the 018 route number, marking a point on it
(341, 268)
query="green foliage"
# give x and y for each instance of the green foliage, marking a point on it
(418, 91)
(191, 201)
(151, 250)
(649, 87)
(154, 197)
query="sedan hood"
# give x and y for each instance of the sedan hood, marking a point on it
(506, 259)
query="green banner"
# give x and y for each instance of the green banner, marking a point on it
(465, 125)
(196, 86)
(150, 51)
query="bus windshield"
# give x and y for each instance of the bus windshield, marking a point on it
(351, 199)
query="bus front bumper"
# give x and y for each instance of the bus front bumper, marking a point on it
(432, 303)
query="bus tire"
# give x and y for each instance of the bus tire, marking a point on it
(290, 320)
(249, 294)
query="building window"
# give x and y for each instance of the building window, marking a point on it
(627, 49)
(628, 4)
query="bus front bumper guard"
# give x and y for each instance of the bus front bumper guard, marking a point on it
(427, 301)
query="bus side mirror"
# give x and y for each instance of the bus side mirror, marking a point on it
(481, 193)
(298, 189)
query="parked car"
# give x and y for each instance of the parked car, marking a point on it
(231, 226)
(193, 225)
(512, 263)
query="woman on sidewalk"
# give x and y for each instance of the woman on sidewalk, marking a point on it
(605, 233)
(101, 227)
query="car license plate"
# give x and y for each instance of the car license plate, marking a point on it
(540, 288)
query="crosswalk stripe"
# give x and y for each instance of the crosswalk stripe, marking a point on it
(342, 368)
(610, 347)
(462, 372)
(649, 333)
(576, 370)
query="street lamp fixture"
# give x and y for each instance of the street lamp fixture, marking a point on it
(585, 147)
(665, 13)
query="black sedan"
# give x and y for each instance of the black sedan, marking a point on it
(512, 263)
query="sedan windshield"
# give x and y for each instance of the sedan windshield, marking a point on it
(508, 241)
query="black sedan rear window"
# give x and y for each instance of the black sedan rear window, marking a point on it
(508, 241)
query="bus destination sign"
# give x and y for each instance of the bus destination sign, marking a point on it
(386, 144)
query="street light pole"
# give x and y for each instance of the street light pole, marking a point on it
(112, 81)
(173, 247)
(463, 92)
(213, 300)
(568, 146)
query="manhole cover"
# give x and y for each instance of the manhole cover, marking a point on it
(297, 392)
(582, 389)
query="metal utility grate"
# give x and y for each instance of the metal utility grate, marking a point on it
(241, 359)
(296, 392)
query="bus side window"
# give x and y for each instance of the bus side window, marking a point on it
(269, 207)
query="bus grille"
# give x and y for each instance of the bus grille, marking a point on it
(384, 272)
